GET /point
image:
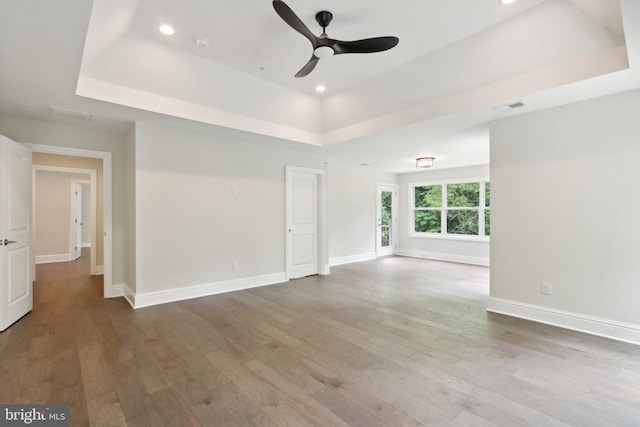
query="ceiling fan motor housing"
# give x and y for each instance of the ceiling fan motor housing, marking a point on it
(323, 18)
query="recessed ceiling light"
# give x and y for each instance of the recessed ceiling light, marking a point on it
(507, 1)
(320, 88)
(167, 29)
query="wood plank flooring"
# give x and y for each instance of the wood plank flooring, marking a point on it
(391, 342)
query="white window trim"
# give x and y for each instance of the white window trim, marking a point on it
(443, 235)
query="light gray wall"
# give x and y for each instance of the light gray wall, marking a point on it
(565, 208)
(352, 209)
(438, 248)
(62, 135)
(190, 228)
(53, 212)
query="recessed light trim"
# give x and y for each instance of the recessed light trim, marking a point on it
(507, 1)
(320, 88)
(167, 29)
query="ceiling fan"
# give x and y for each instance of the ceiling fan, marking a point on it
(323, 46)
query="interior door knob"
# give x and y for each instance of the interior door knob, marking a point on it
(8, 242)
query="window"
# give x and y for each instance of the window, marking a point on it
(428, 213)
(487, 212)
(451, 209)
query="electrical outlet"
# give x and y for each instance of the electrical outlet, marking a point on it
(235, 190)
(545, 288)
(235, 266)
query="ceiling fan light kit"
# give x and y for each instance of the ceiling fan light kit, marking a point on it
(323, 46)
(323, 52)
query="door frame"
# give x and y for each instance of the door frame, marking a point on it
(383, 186)
(110, 290)
(92, 182)
(92, 213)
(323, 241)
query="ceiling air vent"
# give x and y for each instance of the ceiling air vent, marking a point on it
(65, 112)
(507, 107)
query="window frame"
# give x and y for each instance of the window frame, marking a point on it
(481, 209)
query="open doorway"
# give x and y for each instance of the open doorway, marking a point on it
(386, 219)
(57, 213)
(59, 157)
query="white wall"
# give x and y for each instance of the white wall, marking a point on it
(473, 252)
(565, 209)
(352, 211)
(53, 215)
(190, 228)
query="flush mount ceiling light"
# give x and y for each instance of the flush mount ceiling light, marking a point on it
(167, 30)
(424, 162)
(507, 1)
(320, 88)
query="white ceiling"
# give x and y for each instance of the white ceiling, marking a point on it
(431, 95)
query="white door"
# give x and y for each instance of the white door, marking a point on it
(76, 219)
(16, 287)
(386, 219)
(302, 224)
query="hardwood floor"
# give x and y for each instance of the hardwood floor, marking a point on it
(395, 342)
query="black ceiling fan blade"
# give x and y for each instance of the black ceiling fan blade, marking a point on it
(294, 22)
(376, 44)
(308, 67)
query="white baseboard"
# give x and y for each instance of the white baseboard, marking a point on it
(85, 245)
(99, 270)
(129, 295)
(352, 258)
(324, 270)
(116, 291)
(140, 300)
(442, 256)
(607, 328)
(46, 259)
